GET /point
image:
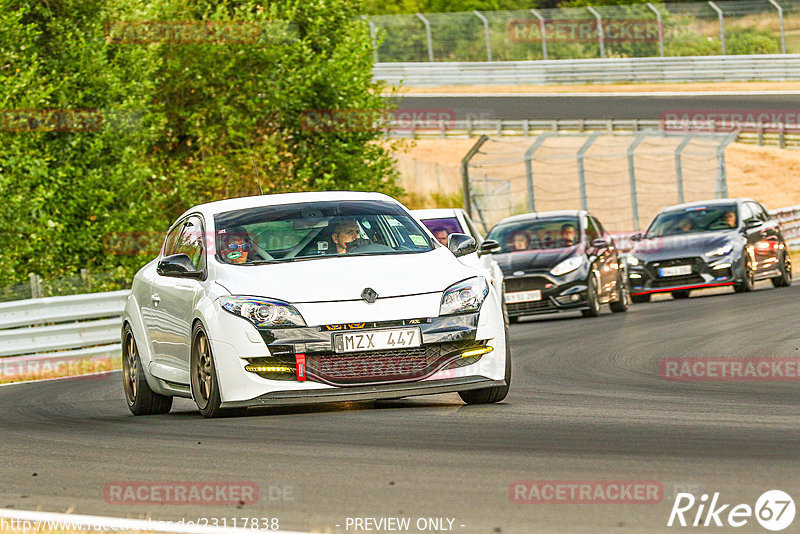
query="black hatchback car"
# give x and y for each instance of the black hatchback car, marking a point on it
(558, 261)
(723, 242)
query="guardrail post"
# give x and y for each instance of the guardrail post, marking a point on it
(722, 176)
(780, 19)
(486, 33)
(467, 197)
(721, 25)
(372, 38)
(782, 135)
(660, 28)
(427, 35)
(679, 166)
(632, 177)
(600, 36)
(582, 171)
(760, 131)
(36, 285)
(543, 30)
(529, 168)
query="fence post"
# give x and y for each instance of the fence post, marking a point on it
(632, 177)
(721, 25)
(722, 176)
(780, 18)
(543, 30)
(372, 38)
(427, 35)
(467, 198)
(660, 28)
(36, 285)
(529, 168)
(582, 171)
(486, 33)
(600, 36)
(679, 166)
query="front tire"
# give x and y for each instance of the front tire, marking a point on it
(748, 278)
(495, 393)
(623, 301)
(785, 279)
(205, 386)
(141, 399)
(592, 299)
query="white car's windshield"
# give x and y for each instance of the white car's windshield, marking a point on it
(274, 234)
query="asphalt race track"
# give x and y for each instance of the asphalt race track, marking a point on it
(595, 106)
(587, 403)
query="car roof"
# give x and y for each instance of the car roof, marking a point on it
(542, 215)
(713, 202)
(436, 213)
(232, 204)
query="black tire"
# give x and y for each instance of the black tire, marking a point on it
(785, 279)
(495, 393)
(748, 282)
(592, 299)
(141, 399)
(623, 301)
(682, 294)
(205, 386)
(639, 299)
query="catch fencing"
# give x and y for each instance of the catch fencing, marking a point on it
(731, 27)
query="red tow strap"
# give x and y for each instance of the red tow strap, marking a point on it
(300, 363)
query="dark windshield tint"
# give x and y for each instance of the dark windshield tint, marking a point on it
(319, 229)
(537, 234)
(693, 220)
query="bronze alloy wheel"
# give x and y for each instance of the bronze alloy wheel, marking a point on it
(141, 399)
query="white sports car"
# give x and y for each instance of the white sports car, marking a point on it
(309, 297)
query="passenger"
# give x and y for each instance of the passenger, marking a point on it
(519, 240)
(236, 244)
(441, 235)
(729, 218)
(345, 232)
(548, 241)
(568, 234)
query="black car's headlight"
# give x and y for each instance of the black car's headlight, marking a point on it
(632, 261)
(464, 297)
(724, 250)
(567, 266)
(263, 312)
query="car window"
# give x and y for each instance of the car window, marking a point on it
(696, 219)
(758, 211)
(537, 234)
(172, 240)
(191, 242)
(473, 231)
(591, 230)
(747, 212)
(443, 227)
(290, 232)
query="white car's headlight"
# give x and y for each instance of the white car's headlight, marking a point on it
(464, 297)
(633, 261)
(721, 251)
(262, 312)
(567, 266)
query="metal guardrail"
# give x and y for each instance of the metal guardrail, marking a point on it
(62, 328)
(789, 218)
(787, 137)
(768, 67)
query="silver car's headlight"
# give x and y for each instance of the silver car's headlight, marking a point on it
(721, 251)
(263, 312)
(464, 297)
(633, 261)
(567, 266)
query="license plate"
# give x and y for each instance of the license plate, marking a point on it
(524, 296)
(396, 338)
(678, 270)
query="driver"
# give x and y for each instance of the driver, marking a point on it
(519, 240)
(685, 225)
(568, 234)
(729, 218)
(345, 232)
(235, 245)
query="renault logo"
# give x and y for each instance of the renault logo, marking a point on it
(369, 295)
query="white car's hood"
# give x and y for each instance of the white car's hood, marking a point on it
(339, 278)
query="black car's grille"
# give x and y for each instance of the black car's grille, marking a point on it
(346, 369)
(673, 281)
(526, 283)
(528, 308)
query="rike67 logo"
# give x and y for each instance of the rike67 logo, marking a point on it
(774, 510)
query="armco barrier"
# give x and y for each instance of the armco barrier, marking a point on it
(62, 328)
(768, 67)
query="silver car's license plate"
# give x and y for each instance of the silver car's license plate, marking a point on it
(678, 270)
(396, 338)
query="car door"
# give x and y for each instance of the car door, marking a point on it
(173, 302)
(602, 254)
(767, 250)
(610, 274)
(754, 236)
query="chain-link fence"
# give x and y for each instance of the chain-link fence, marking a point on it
(642, 30)
(625, 180)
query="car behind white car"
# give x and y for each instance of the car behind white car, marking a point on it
(309, 297)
